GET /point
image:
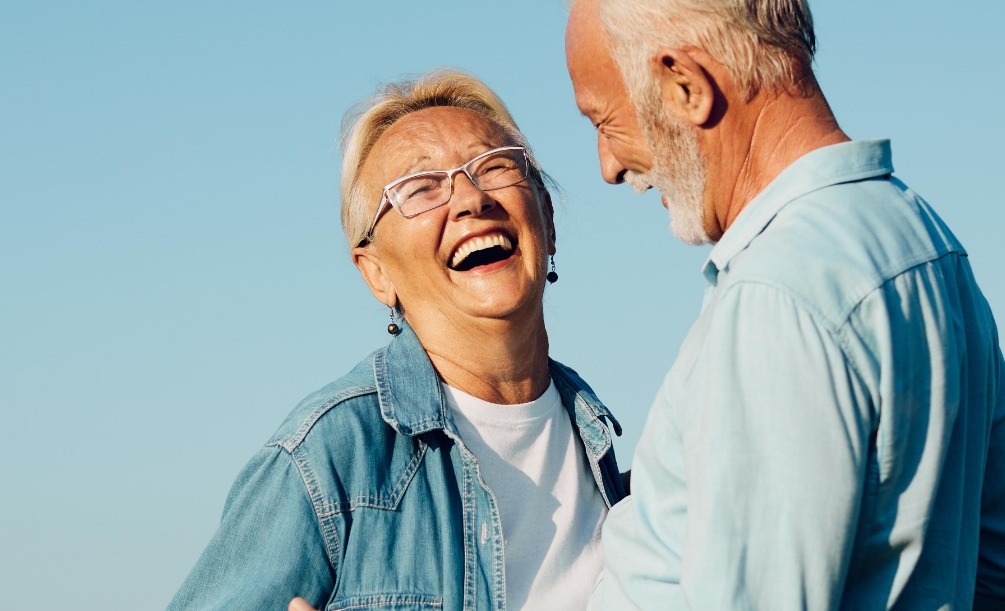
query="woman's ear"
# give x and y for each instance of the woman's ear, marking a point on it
(549, 222)
(372, 269)
(685, 87)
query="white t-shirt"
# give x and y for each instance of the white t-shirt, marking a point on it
(531, 458)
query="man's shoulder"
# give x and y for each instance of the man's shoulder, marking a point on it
(832, 247)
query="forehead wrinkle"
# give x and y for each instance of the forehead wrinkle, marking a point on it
(423, 162)
(419, 137)
(429, 139)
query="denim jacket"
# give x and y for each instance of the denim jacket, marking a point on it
(366, 498)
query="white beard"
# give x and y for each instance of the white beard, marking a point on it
(678, 172)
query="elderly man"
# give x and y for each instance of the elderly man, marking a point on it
(831, 435)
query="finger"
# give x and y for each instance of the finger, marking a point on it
(299, 604)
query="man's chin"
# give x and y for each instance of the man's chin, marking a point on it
(687, 227)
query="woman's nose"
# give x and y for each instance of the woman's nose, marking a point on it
(466, 199)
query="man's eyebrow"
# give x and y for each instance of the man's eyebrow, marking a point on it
(586, 108)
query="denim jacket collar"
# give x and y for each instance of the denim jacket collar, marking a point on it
(412, 401)
(408, 388)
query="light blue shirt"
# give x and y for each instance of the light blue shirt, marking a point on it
(835, 414)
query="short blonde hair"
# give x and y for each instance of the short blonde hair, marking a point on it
(364, 124)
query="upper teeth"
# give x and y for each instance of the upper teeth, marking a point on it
(479, 243)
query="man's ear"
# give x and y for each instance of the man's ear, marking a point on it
(372, 269)
(685, 87)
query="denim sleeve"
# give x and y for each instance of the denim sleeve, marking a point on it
(268, 548)
(990, 590)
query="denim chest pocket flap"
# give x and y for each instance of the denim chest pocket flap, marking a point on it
(377, 602)
(361, 462)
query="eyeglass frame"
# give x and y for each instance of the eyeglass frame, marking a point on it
(385, 200)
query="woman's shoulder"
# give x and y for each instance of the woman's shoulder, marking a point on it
(343, 450)
(343, 406)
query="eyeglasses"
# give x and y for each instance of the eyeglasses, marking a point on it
(413, 194)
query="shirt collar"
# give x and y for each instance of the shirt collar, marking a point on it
(823, 167)
(408, 388)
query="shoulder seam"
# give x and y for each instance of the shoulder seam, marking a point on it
(291, 441)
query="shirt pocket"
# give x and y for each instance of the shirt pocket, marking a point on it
(378, 602)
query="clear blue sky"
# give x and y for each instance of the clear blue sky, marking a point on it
(173, 277)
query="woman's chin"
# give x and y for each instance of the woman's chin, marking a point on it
(495, 297)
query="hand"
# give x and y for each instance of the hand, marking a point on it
(299, 604)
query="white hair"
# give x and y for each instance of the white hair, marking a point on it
(761, 43)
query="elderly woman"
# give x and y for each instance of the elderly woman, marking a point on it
(458, 467)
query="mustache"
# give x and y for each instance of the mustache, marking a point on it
(639, 182)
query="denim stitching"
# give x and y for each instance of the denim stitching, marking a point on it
(379, 369)
(384, 600)
(330, 532)
(398, 492)
(595, 450)
(467, 525)
(384, 390)
(387, 502)
(293, 440)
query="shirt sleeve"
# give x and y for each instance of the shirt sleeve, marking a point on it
(268, 547)
(748, 477)
(990, 588)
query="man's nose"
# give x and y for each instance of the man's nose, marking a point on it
(610, 168)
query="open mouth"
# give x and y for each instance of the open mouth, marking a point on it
(479, 251)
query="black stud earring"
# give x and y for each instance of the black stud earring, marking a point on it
(393, 328)
(552, 277)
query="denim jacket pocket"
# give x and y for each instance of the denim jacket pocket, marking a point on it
(377, 602)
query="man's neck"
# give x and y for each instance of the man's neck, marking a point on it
(778, 129)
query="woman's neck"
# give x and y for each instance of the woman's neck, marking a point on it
(495, 360)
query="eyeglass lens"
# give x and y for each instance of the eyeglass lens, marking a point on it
(417, 194)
